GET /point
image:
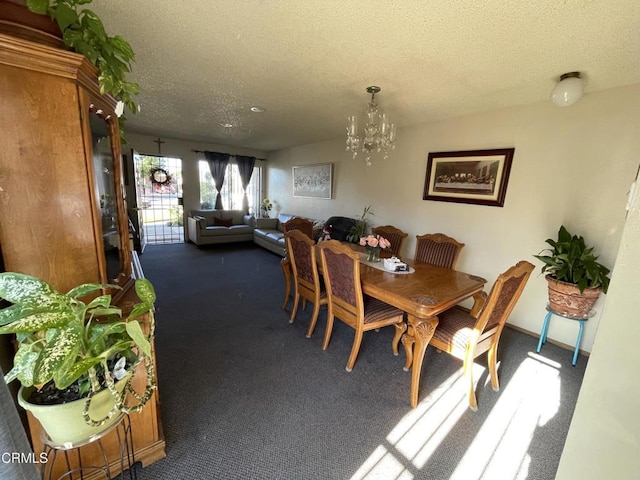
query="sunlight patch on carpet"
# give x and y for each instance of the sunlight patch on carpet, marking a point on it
(500, 449)
(417, 436)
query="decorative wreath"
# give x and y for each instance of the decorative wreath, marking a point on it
(159, 176)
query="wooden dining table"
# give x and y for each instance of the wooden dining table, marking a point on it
(424, 293)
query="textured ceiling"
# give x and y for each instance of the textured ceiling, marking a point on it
(201, 63)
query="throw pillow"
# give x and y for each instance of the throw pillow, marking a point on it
(222, 222)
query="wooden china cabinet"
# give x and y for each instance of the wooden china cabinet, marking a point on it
(62, 211)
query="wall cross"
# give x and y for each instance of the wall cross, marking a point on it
(159, 142)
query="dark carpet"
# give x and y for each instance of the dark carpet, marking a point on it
(244, 395)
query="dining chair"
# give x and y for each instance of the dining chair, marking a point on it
(299, 223)
(393, 234)
(302, 253)
(437, 249)
(341, 270)
(468, 334)
(306, 227)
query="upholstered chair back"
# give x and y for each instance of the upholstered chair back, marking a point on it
(467, 334)
(393, 234)
(299, 223)
(437, 249)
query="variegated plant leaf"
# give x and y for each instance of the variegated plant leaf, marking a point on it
(39, 321)
(99, 333)
(61, 371)
(16, 312)
(145, 291)
(139, 309)
(25, 289)
(86, 289)
(135, 332)
(116, 348)
(103, 312)
(103, 301)
(66, 377)
(65, 343)
(24, 363)
(105, 330)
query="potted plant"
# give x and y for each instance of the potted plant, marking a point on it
(359, 229)
(83, 32)
(574, 276)
(76, 358)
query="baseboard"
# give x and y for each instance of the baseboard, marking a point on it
(549, 340)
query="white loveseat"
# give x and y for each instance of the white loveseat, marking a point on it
(206, 227)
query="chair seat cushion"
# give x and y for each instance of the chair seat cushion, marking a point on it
(376, 310)
(455, 327)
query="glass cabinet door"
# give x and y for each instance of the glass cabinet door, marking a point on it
(104, 169)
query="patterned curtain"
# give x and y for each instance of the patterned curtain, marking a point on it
(218, 165)
(245, 168)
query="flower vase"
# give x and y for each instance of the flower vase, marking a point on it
(373, 254)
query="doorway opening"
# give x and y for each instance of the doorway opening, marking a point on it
(159, 199)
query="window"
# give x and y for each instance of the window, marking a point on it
(231, 190)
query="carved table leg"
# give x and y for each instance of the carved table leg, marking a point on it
(400, 329)
(408, 340)
(285, 265)
(423, 330)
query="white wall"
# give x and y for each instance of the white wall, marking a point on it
(572, 166)
(603, 440)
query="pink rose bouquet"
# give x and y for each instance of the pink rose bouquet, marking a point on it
(373, 244)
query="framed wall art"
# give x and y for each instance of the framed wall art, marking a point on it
(474, 176)
(313, 181)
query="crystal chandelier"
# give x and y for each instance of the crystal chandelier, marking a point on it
(379, 134)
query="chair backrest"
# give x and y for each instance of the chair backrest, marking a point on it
(503, 297)
(393, 234)
(302, 254)
(341, 271)
(299, 223)
(437, 249)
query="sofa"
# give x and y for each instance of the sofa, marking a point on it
(269, 232)
(207, 227)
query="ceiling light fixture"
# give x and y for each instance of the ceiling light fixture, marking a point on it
(568, 90)
(257, 109)
(378, 135)
(227, 125)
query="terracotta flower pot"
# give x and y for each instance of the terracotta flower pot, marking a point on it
(565, 298)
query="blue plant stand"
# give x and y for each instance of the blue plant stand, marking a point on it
(545, 328)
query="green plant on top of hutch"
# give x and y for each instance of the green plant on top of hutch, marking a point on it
(70, 351)
(83, 32)
(573, 273)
